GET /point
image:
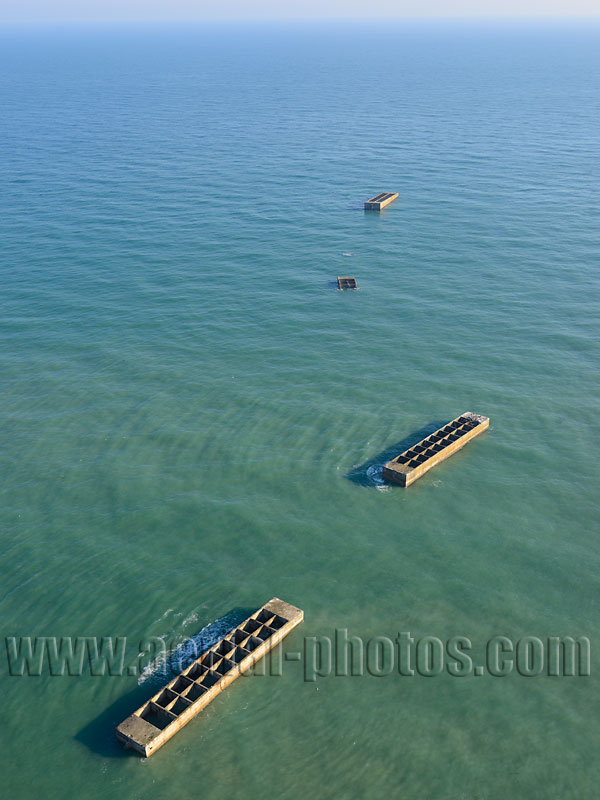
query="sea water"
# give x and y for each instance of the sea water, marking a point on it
(195, 419)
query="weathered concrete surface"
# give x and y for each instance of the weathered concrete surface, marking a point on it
(155, 722)
(435, 448)
(347, 282)
(380, 201)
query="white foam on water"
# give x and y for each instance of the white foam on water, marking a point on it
(160, 619)
(170, 663)
(374, 474)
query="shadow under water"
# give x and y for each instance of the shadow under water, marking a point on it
(99, 734)
(369, 473)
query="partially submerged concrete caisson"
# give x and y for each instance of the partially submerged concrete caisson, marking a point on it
(380, 201)
(155, 722)
(347, 282)
(421, 457)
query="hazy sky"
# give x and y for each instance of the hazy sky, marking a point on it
(80, 10)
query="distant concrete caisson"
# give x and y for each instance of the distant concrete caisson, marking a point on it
(346, 282)
(380, 201)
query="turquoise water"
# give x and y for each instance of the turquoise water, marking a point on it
(194, 419)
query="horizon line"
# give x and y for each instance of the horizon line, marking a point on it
(480, 17)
